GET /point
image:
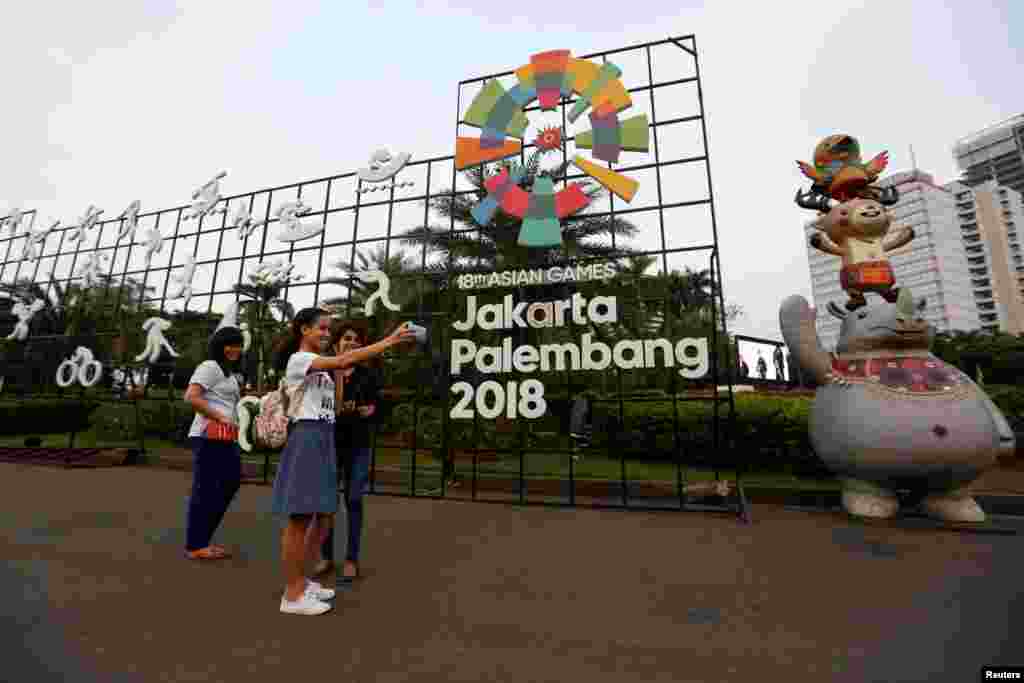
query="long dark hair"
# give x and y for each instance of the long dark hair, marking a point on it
(225, 336)
(291, 342)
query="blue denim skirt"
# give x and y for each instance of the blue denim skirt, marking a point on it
(307, 475)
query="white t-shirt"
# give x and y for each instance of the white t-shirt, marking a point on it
(222, 393)
(318, 399)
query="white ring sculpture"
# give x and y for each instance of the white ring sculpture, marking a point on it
(79, 365)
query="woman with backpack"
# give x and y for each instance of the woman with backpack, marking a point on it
(358, 395)
(306, 483)
(214, 391)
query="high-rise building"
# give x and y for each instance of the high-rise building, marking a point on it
(933, 266)
(990, 216)
(995, 153)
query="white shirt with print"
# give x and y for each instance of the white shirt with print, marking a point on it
(318, 399)
(222, 392)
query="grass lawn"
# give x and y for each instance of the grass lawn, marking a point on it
(537, 466)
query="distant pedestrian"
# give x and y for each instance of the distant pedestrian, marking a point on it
(780, 369)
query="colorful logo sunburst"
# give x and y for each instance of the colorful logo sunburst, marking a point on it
(499, 114)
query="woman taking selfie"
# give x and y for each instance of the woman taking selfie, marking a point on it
(357, 394)
(306, 483)
(214, 392)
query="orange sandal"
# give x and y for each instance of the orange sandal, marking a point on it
(220, 549)
(207, 553)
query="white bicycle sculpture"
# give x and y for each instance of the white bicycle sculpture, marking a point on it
(82, 366)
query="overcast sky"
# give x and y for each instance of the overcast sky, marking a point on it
(147, 100)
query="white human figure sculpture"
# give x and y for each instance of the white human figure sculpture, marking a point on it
(273, 273)
(130, 216)
(244, 222)
(35, 238)
(206, 199)
(121, 378)
(383, 293)
(84, 224)
(91, 271)
(12, 221)
(155, 340)
(294, 229)
(383, 166)
(184, 280)
(230, 319)
(25, 314)
(154, 245)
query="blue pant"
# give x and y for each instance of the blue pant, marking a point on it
(355, 466)
(216, 478)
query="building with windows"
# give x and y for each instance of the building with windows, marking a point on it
(990, 216)
(934, 265)
(993, 154)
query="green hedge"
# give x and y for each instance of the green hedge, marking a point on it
(643, 432)
(45, 416)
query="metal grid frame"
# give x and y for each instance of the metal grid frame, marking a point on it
(331, 210)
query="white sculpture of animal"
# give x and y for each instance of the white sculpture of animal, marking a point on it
(25, 315)
(155, 340)
(383, 293)
(81, 366)
(130, 216)
(84, 224)
(295, 230)
(154, 245)
(206, 198)
(184, 279)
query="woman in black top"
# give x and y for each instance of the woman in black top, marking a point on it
(357, 410)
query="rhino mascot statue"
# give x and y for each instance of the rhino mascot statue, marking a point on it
(888, 415)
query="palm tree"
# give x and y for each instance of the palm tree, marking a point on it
(257, 309)
(494, 246)
(69, 305)
(395, 265)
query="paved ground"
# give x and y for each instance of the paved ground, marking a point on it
(94, 588)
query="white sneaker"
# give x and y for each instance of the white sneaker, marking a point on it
(318, 592)
(306, 605)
